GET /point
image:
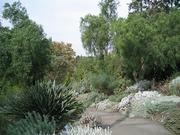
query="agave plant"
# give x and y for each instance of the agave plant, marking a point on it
(47, 99)
(33, 124)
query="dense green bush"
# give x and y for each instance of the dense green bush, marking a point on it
(174, 86)
(104, 83)
(84, 66)
(117, 97)
(94, 97)
(46, 99)
(172, 120)
(3, 124)
(81, 86)
(149, 47)
(160, 107)
(33, 124)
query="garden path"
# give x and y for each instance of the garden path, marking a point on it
(120, 125)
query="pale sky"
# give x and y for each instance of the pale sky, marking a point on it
(61, 18)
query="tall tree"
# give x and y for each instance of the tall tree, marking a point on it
(62, 62)
(94, 35)
(108, 9)
(5, 57)
(30, 52)
(153, 5)
(29, 46)
(149, 47)
(95, 30)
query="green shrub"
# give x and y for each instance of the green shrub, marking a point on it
(3, 124)
(7, 87)
(160, 107)
(122, 85)
(172, 121)
(81, 86)
(84, 66)
(148, 47)
(33, 124)
(46, 99)
(104, 83)
(175, 75)
(94, 97)
(174, 86)
(117, 97)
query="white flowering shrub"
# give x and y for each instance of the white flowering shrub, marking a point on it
(124, 104)
(86, 130)
(105, 105)
(151, 106)
(139, 97)
(139, 109)
(174, 86)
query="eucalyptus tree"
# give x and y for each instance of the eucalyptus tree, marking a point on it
(95, 30)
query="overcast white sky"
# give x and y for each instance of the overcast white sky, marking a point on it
(61, 18)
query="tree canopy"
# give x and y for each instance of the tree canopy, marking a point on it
(25, 48)
(95, 30)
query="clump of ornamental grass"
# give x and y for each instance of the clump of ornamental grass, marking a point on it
(45, 98)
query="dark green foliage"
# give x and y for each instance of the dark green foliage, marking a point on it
(107, 79)
(30, 56)
(84, 66)
(149, 47)
(15, 13)
(24, 49)
(3, 125)
(153, 6)
(132, 43)
(46, 99)
(5, 56)
(172, 121)
(33, 124)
